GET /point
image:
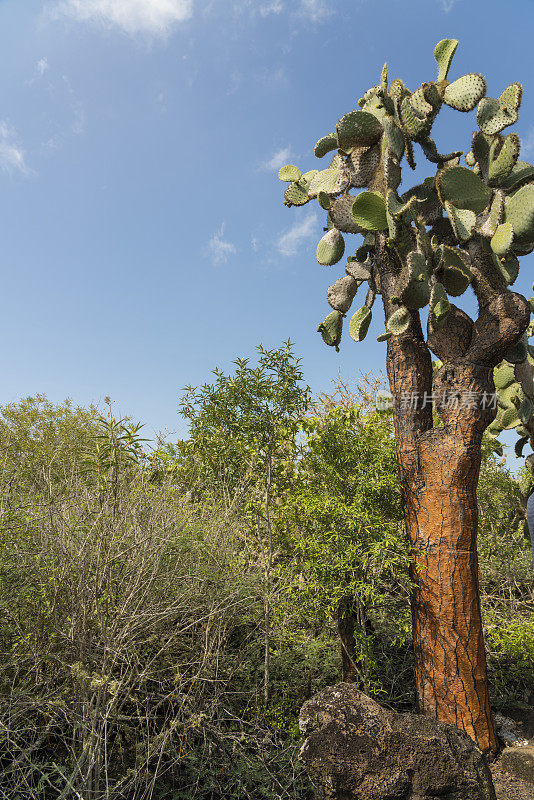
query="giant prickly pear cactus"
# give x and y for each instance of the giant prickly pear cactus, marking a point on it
(465, 226)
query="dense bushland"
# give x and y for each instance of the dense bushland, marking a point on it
(164, 613)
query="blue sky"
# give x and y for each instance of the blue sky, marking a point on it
(144, 239)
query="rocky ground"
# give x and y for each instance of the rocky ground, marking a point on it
(509, 786)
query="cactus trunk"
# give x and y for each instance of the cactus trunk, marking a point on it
(439, 468)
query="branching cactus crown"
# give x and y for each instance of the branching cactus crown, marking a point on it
(465, 225)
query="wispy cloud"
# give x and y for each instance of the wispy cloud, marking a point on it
(155, 17)
(277, 160)
(42, 66)
(12, 156)
(274, 7)
(317, 10)
(290, 241)
(218, 249)
(447, 5)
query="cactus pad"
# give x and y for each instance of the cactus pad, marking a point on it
(463, 189)
(493, 116)
(466, 92)
(289, 173)
(454, 272)
(413, 124)
(502, 163)
(439, 306)
(341, 294)
(296, 193)
(369, 211)
(399, 321)
(341, 214)
(521, 173)
(512, 96)
(359, 324)
(443, 53)
(519, 211)
(503, 376)
(363, 163)
(358, 128)
(332, 180)
(394, 136)
(462, 221)
(509, 268)
(325, 145)
(502, 239)
(331, 329)
(331, 248)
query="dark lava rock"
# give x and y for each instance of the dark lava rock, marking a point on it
(357, 750)
(519, 761)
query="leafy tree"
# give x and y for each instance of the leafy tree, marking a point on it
(339, 520)
(240, 439)
(414, 257)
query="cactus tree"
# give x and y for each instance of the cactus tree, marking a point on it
(464, 226)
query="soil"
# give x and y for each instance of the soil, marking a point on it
(509, 788)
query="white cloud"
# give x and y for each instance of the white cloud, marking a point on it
(218, 249)
(42, 66)
(274, 7)
(316, 10)
(155, 17)
(290, 241)
(278, 160)
(12, 157)
(447, 5)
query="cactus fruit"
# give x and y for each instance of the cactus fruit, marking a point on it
(331, 248)
(369, 211)
(358, 128)
(463, 189)
(331, 329)
(289, 173)
(502, 239)
(493, 116)
(341, 294)
(399, 321)
(363, 163)
(359, 323)
(325, 145)
(501, 164)
(519, 211)
(443, 53)
(466, 92)
(341, 214)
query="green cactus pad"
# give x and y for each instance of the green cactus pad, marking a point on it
(325, 145)
(324, 200)
(519, 211)
(501, 164)
(289, 173)
(455, 274)
(521, 173)
(470, 159)
(443, 53)
(495, 216)
(512, 96)
(331, 329)
(493, 116)
(384, 336)
(369, 211)
(397, 207)
(364, 163)
(358, 270)
(463, 189)
(502, 239)
(466, 92)
(509, 268)
(524, 374)
(510, 397)
(331, 248)
(519, 445)
(439, 306)
(296, 194)
(359, 323)
(399, 321)
(394, 136)
(508, 419)
(462, 221)
(428, 206)
(524, 412)
(415, 126)
(332, 180)
(358, 128)
(503, 376)
(419, 103)
(480, 147)
(431, 152)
